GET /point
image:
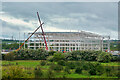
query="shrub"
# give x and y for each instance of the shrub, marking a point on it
(100, 69)
(41, 54)
(91, 65)
(104, 57)
(51, 52)
(67, 70)
(112, 71)
(58, 56)
(50, 74)
(38, 72)
(50, 58)
(71, 65)
(115, 58)
(61, 62)
(16, 63)
(25, 54)
(91, 55)
(92, 71)
(56, 67)
(79, 63)
(83, 55)
(9, 56)
(43, 63)
(108, 71)
(13, 72)
(86, 66)
(30, 54)
(3, 56)
(78, 70)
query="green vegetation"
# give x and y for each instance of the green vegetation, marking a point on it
(41, 54)
(33, 69)
(11, 46)
(43, 63)
(115, 45)
(76, 64)
(104, 57)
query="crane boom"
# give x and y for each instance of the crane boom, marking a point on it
(34, 32)
(42, 31)
(29, 37)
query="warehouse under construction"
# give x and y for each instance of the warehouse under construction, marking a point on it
(69, 41)
(66, 41)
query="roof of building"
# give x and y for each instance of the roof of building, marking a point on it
(84, 33)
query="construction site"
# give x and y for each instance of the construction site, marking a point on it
(69, 41)
(66, 41)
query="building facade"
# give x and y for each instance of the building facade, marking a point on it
(70, 41)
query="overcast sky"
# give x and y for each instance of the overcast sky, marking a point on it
(99, 17)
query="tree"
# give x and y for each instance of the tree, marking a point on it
(78, 70)
(104, 57)
(9, 56)
(58, 56)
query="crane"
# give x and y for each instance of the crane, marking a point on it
(34, 33)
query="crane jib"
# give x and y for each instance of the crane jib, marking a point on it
(34, 33)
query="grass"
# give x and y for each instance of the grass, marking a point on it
(34, 63)
(111, 64)
(29, 66)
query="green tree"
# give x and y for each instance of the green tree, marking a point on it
(104, 57)
(9, 56)
(58, 56)
(78, 70)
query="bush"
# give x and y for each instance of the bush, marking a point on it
(50, 58)
(92, 71)
(112, 71)
(71, 65)
(83, 55)
(115, 58)
(100, 69)
(108, 71)
(86, 66)
(78, 70)
(9, 56)
(38, 72)
(61, 62)
(67, 70)
(95, 68)
(51, 52)
(56, 67)
(50, 74)
(104, 57)
(13, 72)
(41, 54)
(58, 56)
(30, 54)
(43, 63)
(91, 65)
(3, 56)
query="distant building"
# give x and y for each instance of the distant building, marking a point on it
(69, 41)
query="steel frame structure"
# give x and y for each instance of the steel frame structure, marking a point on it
(69, 41)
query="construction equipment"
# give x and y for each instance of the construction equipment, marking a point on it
(34, 32)
(42, 31)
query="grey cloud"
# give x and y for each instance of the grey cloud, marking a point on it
(98, 17)
(14, 27)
